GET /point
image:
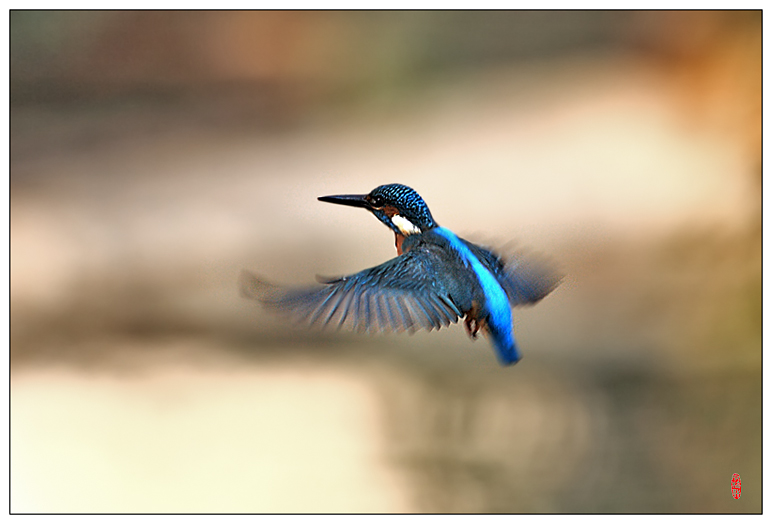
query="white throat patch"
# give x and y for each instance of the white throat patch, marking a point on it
(405, 226)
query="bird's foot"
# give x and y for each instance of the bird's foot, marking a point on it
(472, 327)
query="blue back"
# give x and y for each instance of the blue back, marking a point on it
(499, 318)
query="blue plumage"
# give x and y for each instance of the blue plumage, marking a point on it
(496, 310)
(436, 279)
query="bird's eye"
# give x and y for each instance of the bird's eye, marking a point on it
(376, 201)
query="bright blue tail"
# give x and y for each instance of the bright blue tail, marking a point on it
(499, 312)
(505, 345)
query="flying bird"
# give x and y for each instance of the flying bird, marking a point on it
(436, 279)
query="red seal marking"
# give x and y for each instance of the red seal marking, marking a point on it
(736, 486)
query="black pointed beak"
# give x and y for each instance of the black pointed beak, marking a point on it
(347, 200)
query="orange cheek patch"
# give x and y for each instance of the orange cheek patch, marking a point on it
(390, 211)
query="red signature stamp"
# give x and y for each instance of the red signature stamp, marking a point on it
(736, 486)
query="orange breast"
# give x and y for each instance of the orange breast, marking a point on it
(398, 239)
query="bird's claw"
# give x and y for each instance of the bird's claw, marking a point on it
(472, 327)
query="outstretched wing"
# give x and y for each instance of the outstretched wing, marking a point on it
(526, 278)
(400, 294)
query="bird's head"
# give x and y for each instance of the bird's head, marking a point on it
(396, 205)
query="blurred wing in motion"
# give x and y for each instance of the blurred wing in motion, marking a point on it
(526, 278)
(400, 294)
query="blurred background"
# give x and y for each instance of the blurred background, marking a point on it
(156, 154)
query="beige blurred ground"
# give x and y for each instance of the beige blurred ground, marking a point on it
(185, 438)
(141, 382)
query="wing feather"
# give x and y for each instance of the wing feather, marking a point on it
(362, 317)
(398, 295)
(384, 312)
(526, 280)
(525, 277)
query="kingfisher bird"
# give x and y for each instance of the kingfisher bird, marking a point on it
(436, 279)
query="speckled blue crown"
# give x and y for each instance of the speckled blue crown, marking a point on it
(408, 201)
